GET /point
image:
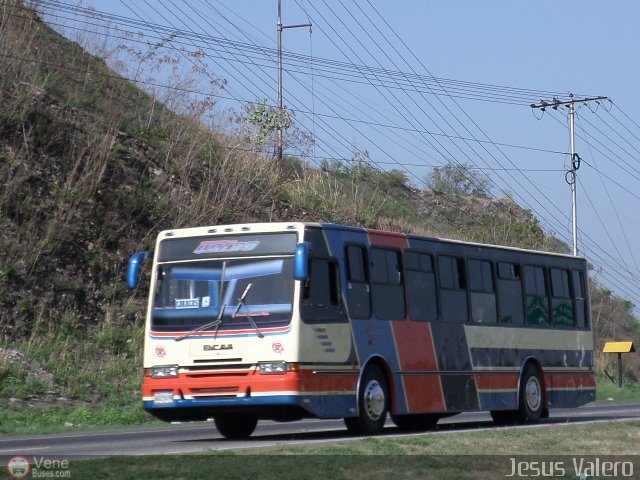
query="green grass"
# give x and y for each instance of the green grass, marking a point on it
(98, 373)
(105, 363)
(606, 390)
(460, 455)
(55, 419)
(620, 438)
(14, 382)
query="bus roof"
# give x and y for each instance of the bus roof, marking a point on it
(270, 227)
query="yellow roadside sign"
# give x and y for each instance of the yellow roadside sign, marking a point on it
(619, 347)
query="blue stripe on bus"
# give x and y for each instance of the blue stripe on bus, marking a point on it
(371, 337)
(331, 406)
(498, 400)
(226, 402)
(515, 357)
(570, 398)
(321, 406)
(196, 336)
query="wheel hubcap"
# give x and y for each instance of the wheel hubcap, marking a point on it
(534, 394)
(374, 400)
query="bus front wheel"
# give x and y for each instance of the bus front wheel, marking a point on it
(373, 403)
(234, 426)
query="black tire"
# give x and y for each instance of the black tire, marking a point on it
(531, 405)
(505, 417)
(373, 403)
(416, 422)
(531, 398)
(235, 426)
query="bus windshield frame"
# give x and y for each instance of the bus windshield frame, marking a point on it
(201, 279)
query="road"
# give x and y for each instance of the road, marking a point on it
(202, 436)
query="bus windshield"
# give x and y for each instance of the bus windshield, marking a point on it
(191, 294)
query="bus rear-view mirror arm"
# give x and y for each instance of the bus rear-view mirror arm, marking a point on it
(301, 262)
(133, 268)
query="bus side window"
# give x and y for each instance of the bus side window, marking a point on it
(580, 301)
(537, 301)
(358, 290)
(421, 286)
(387, 284)
(453, 289)
(321, 296)
(483, 292)
(561, 303)
(510, 293)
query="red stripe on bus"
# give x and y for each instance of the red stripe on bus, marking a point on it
(416, 352)
(497, 382)
(334, 382)
(424, 394)
(570, 380)
(221, 333)
(378, 238)
(243, 382)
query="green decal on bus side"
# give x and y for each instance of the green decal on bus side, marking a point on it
(563, 314)
(537, 311)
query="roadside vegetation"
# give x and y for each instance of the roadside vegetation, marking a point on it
(608, 390)
(92, 167)
(465, 455)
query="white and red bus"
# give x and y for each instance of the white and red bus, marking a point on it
(290, 320)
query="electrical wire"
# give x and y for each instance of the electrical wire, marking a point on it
(381, 73)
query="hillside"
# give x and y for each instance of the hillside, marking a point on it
(92, 167)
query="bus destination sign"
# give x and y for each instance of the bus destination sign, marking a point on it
(192, 248)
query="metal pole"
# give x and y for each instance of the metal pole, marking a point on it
(575, 180)
(575, 160)
(619, 370)
(280, 136)
(280, 103)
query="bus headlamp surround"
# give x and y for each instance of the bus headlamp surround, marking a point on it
(275, 368)
(165, 371)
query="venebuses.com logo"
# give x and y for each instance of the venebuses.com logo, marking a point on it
(18, 467)
(38, 467)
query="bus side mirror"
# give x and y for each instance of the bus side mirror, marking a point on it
(301, 262)
(133, 268)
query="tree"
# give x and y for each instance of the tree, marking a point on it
(261, 125)
(458, 179)
(268, 121)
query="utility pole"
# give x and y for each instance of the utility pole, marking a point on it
(571, 175)
(280, 105)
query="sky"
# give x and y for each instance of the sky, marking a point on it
(419, 83)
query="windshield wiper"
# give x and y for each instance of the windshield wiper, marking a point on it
(218, 321)
(249, 317)
(215, 323)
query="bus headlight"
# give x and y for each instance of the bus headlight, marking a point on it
(166, 371)
(275, 368)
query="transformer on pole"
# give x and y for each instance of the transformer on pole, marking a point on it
(571, 175)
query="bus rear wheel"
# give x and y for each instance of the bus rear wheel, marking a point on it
(416, 422)
(373, 403)
(235, 426)
(531, 401)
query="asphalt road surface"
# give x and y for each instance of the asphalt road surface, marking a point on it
(202, 436)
